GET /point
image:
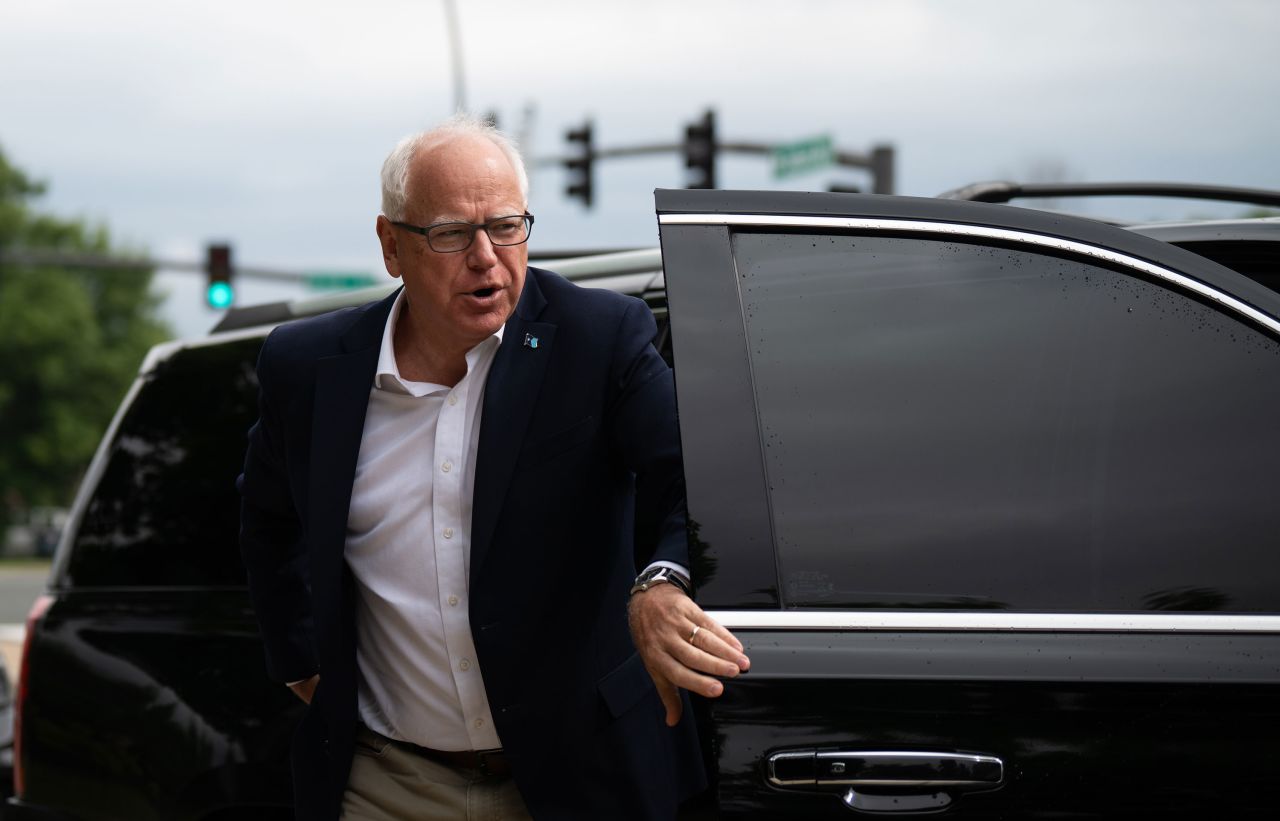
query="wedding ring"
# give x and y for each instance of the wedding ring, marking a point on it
(694, 634)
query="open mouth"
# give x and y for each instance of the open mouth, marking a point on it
(483, 293)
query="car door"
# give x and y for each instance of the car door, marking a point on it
(990, 495)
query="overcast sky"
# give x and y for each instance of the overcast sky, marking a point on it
(264, 122)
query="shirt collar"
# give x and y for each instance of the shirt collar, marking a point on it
(388, 378)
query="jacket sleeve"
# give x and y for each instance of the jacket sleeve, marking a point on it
(645, 431)
(272, 544)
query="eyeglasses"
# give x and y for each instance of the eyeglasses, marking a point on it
(451, 237)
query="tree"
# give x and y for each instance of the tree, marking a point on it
(71, 341)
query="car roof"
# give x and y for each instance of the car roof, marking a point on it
(1258, 229)
(1001, 191)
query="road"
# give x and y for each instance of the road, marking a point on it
(20, 583)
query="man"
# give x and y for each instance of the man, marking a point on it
(439, 500)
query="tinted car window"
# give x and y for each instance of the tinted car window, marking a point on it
(166, 511)
(970, 426)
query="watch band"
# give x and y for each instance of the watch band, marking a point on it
(661, 575)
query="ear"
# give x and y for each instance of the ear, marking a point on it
(390, 251)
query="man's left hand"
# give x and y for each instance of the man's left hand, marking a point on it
(663, 622)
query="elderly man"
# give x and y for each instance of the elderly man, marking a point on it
(439, 503)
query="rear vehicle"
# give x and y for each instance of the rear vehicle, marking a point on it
(144, 693)
(987, 492)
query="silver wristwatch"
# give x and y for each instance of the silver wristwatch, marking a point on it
(659, 575)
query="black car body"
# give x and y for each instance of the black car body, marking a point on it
(988, 493)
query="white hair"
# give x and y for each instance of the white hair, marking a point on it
(395, 170)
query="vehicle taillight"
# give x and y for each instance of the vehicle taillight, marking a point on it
(19, 703)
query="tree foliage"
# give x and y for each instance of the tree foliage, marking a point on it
(71, 340)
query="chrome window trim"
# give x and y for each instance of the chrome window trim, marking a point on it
(999, 622)
(984, 232)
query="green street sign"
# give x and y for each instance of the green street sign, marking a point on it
(803, 155)
(338, 281)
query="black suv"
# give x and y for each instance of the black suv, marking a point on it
(989, 493)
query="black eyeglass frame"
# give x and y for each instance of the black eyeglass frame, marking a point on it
(425, 230)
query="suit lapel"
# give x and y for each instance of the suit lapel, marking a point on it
(341, 399)
(510, 394)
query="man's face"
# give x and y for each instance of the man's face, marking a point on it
(458, 299)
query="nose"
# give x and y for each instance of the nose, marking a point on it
(481, 254)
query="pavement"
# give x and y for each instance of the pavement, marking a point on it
(21, 582)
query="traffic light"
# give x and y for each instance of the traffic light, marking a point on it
(882, 169)
(580, 167)
(700, 151)
(220, 293)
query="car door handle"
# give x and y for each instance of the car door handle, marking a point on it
(886, 781)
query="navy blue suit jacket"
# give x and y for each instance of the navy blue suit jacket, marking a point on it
(578, 454)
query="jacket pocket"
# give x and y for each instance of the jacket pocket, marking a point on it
(625, 685)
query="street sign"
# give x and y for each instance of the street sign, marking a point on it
(338, 281)
(801, 156)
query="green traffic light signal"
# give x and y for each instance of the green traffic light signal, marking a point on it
(219, 292)
(220, 295)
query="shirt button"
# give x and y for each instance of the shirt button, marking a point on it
(479, 723)
(453, 601)
(448, 533)
(447, 466)
(453, 399)
(464, 665)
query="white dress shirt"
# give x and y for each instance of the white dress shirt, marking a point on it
(409, 549)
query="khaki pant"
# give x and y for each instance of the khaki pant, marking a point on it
(390, 783)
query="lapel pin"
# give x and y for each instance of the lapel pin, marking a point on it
(530, 341)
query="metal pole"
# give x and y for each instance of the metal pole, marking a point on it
(102, 262)
(882, 169)
(455, 50)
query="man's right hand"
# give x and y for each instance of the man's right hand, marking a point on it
(306, 688)
(676, 655)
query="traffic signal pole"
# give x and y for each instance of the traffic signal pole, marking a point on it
(699, 149)
(102, 262)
